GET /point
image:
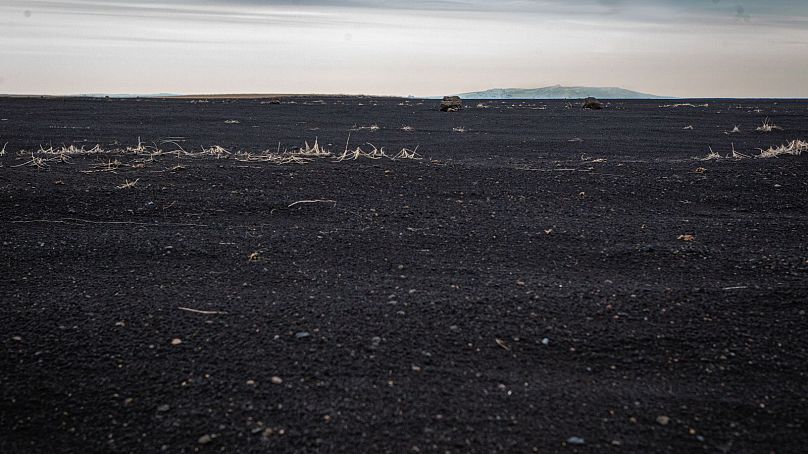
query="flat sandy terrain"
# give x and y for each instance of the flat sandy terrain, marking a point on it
(544, 279)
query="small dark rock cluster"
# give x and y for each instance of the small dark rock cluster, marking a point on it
(592, 103)
(451, 104)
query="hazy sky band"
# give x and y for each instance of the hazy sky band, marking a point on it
(685, 48)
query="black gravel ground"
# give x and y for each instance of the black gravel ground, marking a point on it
(528, 286)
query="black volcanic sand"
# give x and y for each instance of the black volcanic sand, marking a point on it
(504, 294)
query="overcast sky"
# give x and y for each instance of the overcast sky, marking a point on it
(688, 48)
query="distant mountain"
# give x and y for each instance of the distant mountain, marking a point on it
(126, 95)
(558, 92)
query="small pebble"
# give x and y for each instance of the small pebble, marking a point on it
(276, 380)
(176, 341)
(302, 334)
(545, 341)
(575, 441)
(205, 439)
(163, 408)
(663, 420)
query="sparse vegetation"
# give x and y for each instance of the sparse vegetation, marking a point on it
(215, 151)
(406, 153)
(128, 184)
(35, 161)
(109, 166)
(371, 128)
(315, 150)
(302, 155)
(793, 148)
(768, 126)
(687, 104)
(711, 156)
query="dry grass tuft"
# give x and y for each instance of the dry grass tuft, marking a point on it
(711, 156)
(35, 161)
(271, 157)
(736, 155)
(768, 126)
(215, 151)
(128, 184)
(372, 128)
(670, 106)
(350, 155)
(714, 156)
(406, 153)
(793, 148)
(109, 166)
(315, 150)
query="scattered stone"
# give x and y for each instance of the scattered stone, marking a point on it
(545, 341)
(376, 340)
(270, 432)
(276, 380)
(163, 408)
(592, 103)
(250, 382)
(663, 420)
(302, 334)
(451, 104)
(205, 439)
(502, 344)
(176, 341)
(274, 101)
(576, 441)
(16, 338)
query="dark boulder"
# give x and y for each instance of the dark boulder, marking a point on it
(451, 104)
(274, 100)
(592, 103)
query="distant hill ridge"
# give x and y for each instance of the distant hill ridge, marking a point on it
(558, 92)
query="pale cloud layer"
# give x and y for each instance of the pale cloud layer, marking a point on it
(694, 48)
